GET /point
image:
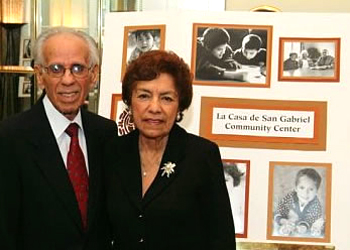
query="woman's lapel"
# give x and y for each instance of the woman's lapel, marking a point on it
(174, 153)
(129, 167)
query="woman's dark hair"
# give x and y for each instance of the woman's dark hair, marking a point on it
(232, 170)
(150, 65)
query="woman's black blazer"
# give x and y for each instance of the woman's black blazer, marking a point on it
(188, 210)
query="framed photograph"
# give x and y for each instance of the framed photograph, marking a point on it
(309, 59)
(27, 49)
(24, 87)
(299, 201)
(120, 113)
(237, 174)
(139, 39)
(231, 55)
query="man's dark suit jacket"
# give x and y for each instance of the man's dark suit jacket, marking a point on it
(38, 209)
(188, 210)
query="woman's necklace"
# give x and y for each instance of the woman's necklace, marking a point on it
(144, 172)
(147, 172)
(150, 160)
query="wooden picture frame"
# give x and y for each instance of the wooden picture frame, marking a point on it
(237, 175)
(255, 123)
(299, 203)
(121, 115)
(231, 66)
(154, 38)
(309, 59)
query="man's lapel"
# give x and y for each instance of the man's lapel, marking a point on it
(94, 157)
(49, 159)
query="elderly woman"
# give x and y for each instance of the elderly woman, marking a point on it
(165, 187)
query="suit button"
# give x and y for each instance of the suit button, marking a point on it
(141, 240)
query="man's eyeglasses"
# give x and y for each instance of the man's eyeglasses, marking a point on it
(58, 70)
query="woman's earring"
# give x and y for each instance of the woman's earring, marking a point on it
(131, 118)
(179, 116)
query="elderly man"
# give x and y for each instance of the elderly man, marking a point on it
(50, 174)
(325, 61)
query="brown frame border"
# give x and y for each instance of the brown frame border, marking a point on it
(268, 28)
(316, 143)
(128, 29)
(246, 201)
(334, 78)
(114, 106)
(327, 208)
(124, 123)
(279, 246)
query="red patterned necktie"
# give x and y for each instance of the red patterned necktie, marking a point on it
(77, 171)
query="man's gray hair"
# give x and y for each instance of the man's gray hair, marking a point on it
(44, 36)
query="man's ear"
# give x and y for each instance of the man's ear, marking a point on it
(39, 76)
(94, 76)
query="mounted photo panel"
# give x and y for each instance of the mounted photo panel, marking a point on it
(309, 59)
(237, 173)
(140, 39)
(231, 55)
(299, 201)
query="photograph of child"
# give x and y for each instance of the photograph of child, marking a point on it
(214, 54)
(228, 54)
(237, 178)
(299, 201)
(142, 40)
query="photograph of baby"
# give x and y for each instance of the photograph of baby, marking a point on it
(231, 55)
(140, 39)
(237, 183)
(306, 59)
(299, 201)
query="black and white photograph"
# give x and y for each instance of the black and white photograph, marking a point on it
(26, 48)
(231, 55)
(309, 59)
(299, 201)
(237, 183)
(24, 87)
(140, 39)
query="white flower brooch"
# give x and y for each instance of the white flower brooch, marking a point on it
(168, 169)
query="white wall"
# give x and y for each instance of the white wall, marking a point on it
(292, 5)
(183, 4)
(179, 39)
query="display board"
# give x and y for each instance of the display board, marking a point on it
(282, 115)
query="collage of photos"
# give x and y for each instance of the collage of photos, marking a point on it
(25, 85)
(240, 56)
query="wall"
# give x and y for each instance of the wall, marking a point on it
(292, 5)
(336, 94)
